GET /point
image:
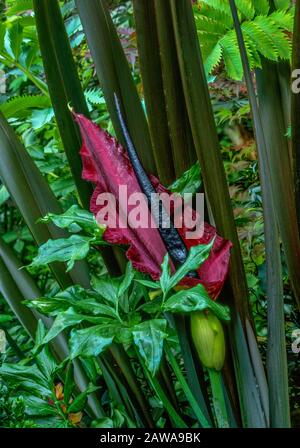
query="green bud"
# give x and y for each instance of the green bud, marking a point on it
(209, 340)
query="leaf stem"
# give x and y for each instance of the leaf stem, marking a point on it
(186, 389)
(176, 419)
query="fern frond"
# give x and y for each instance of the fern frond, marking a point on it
(266, 35)
(21, 105)
(261, 7)
(283, 19)
(214, 58)
(231, 55)
(94, 96)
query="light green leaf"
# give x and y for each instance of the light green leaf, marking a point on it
(4, 195)
(41, 117)
(80, 299)
(197, 256)
(15, 36)
(76, 219)
(195, 299)
(19, 6)
(148, 283)
(65, 250)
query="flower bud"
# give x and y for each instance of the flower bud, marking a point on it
(209, 340)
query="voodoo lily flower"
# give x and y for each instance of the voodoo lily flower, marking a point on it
(108, 166)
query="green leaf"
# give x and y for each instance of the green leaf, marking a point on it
(127, 279)
(64, 85)
(19, 6)
(80, 299)
(207, 143)
(67, 319)
(189, 182)
(165, 277)
(4, 195)
(80, 401)
(148, 283)
(28, 377)
(5, 318)
(34, 198)
(282, 4)
(64, 320)
(104, 422)
(153, 88)
(74, 220)
(69, 383)
(41, 117)
(2, 35)
(65, 250)
(115, 76)
(20, 106)
(197, 256)
(149, 338)
(15, 36)
(91, 341)
(195, 299)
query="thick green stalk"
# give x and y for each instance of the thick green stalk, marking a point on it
(250, 394)
(14, 299)
(277, 373)
(206, 141)
(149, 59)
(184, 153)
(115, 77)
(64, 85)
(279, 168)
(64, 88)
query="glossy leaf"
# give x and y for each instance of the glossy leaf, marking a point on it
(66, 250)
(91, 341)
(195, 299)
(149, 338)
(75, 220)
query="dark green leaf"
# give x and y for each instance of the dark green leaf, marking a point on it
(91, 341)
(195, 299)
(149, 338)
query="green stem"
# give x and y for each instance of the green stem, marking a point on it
(219, 401)
(6, 59)
(123, 362)
(176, 419)
(188, 393)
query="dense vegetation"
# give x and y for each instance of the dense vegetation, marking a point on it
(88, 337)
